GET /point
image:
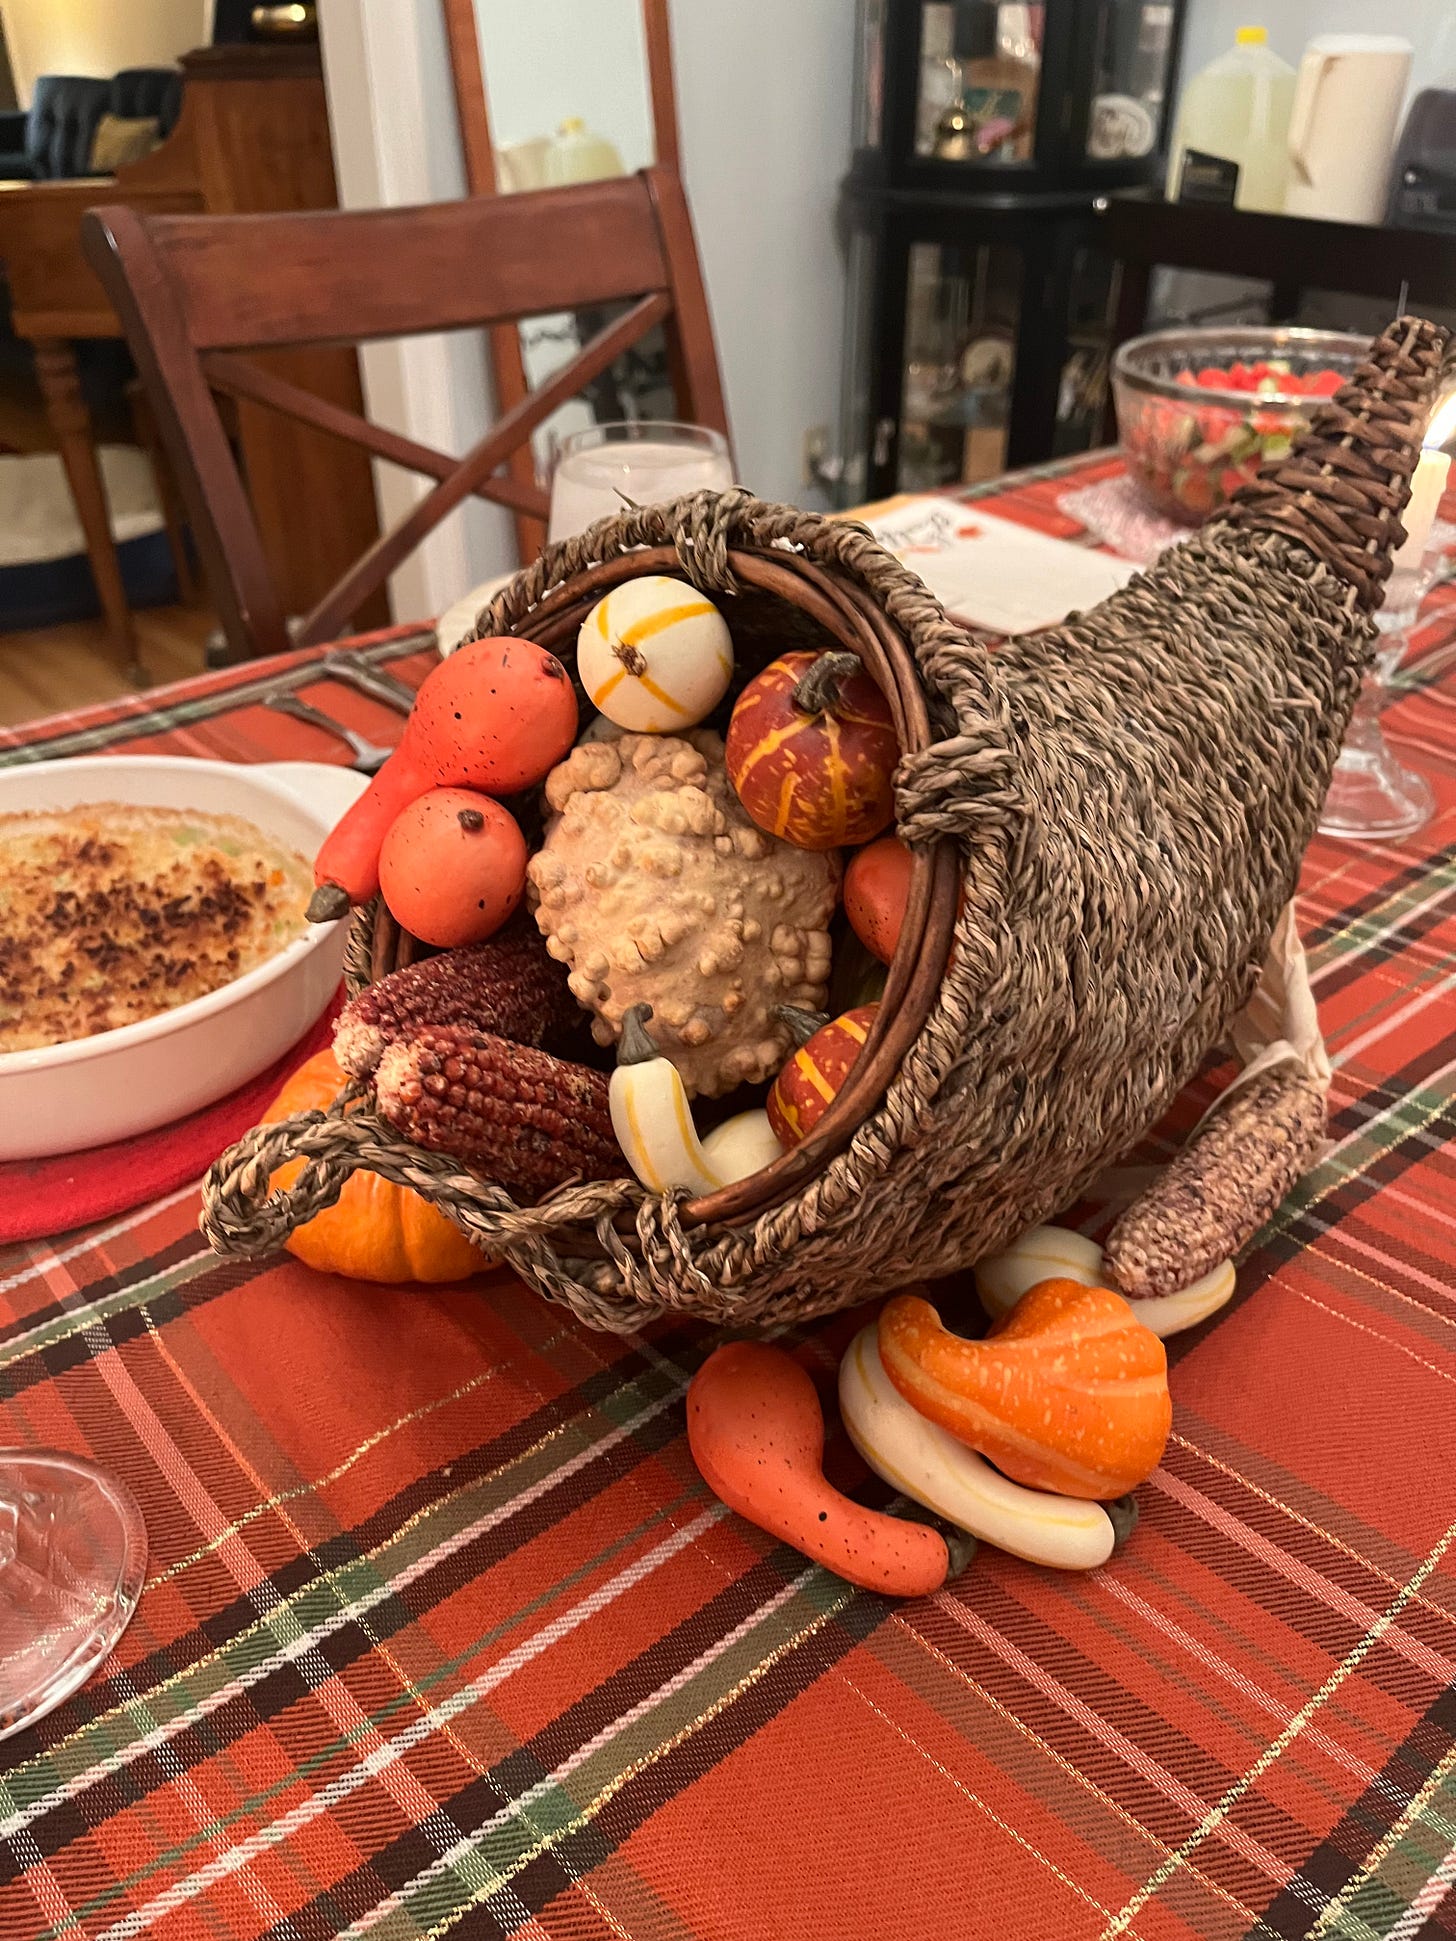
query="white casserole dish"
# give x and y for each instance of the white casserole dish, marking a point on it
(90, 1091)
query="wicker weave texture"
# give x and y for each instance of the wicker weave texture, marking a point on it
(1131, 795)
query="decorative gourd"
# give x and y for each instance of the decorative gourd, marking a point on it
(756, 1431)
(811, 751)
(493, 717)
(805, 1088)
(453, 867)
(1041, 1254)
(876, 890)
(744, 1144)
(374, 1231)
(653, 1122)
(1069, 1392)
(655, 888)
(1056, 1253)
(921, 1460)
(655, 656)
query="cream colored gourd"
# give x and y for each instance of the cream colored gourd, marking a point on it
(927, 1463)
(1056, 1253)
(744, 1144)
(653, 1122)
(655, 656)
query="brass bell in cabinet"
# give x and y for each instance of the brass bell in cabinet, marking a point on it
(955, 136)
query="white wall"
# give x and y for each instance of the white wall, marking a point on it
(764, 96)
(764, 102)
(98, 36)
(764, 108)
(396, 141)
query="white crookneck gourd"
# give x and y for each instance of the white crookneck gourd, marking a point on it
(653, 1122)
(1057, 1253)
(927, 1463)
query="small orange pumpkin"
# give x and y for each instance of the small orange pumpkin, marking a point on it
(804, 1088)
(1069, 1392)
(811, 749)
(375, 1231)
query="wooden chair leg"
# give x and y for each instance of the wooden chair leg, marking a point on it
(168, 496)
(60, 385)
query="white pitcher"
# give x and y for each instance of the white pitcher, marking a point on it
(1342, 130)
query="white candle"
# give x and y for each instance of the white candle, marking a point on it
(1420, 515)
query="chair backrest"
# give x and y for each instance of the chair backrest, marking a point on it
(195, 292)
(64, 111)
(153, 91)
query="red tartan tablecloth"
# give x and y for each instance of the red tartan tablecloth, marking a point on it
(442, 1632)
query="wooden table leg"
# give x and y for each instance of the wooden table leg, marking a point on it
(60, 385)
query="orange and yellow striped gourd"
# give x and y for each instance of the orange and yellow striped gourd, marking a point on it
(811, 750)
(804, 1088)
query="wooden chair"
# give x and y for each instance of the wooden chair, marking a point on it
(194, 292)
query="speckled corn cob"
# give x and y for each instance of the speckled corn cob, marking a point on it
(511, 1113)
(509, 985)
(1214, 1197)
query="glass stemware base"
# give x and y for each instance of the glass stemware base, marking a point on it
(73, 1553)
(1373, 796)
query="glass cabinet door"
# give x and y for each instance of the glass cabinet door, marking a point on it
(1131, 79)
(963, 310)
(869, 74)
(979, 82)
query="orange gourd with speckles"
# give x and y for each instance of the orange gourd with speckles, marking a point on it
(804, 1088)
(1068, 1393)
(811, 749)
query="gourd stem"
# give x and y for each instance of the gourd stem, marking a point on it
(802, 1023)
(634, 1047)
(820, 689)
(327, 904)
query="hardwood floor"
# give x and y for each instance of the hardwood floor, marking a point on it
(52, 668)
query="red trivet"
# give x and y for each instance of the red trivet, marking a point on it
(41, 1197)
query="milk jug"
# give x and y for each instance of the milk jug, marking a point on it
(1230, 142)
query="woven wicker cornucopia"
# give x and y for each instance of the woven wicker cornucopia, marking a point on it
(1126, 800)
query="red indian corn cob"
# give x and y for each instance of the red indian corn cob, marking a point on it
(511, 1113)
(509, 986)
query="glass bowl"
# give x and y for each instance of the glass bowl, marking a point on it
(1199, 411)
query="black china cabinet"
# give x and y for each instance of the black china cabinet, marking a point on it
(979, 297)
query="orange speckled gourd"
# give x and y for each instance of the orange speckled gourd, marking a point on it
(495, 716)
(804, 1088)
(1068, 1393)
(876, 891)
(453, 867)
(756, 1431)
(811, 750)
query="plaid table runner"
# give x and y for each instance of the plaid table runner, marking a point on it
(443, 1633)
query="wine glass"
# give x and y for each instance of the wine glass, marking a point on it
(607, 468)
(1373, 796)
(73, 1553)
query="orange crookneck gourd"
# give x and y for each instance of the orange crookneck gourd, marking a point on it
(1068, 1393)
(756, 1431)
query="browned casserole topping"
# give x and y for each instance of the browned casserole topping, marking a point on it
(110, 914)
